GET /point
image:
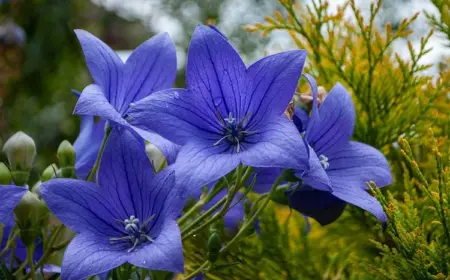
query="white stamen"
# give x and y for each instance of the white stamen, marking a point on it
(324, 162)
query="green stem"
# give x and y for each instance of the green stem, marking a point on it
(11, 240)
(99, 155)
(143, 274)
(250, 222)
(228, 199)
(199, 204)
(205, 214)
(50, 249)
(197, 271)
(30, 251)
(20, 268)
(13, 256)
(241, 178)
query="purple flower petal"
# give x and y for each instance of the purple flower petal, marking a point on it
(93, 102)
(9, 197)
(332, 126)
(216, 73)
(358, 197)
(133, 189)
(167, 148)
(301, 119)
(274, 79)
(315, 176)
(213, 27)
(277, 144)
(87, 255)
(178, 115)
(150, 68)
(351, 167)
(265, 177)
(88, 144)
(81, 206)
(200, 163)
(103, 63)
(322, 206)
(357, 163)
(125, 173)
(165, 253)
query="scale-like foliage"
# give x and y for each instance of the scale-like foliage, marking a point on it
(393, 98)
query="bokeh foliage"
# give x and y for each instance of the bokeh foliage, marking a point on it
(395, 100)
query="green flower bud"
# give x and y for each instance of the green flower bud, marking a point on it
(37, 189)
(20, 150)
(49, 172)
(66, 154)
(214, 245)
(5, 174)
(30, 213)
(155, 156)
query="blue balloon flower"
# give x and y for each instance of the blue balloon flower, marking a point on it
(151, 67)
(129, 217)
(229, 114)
(344, 165)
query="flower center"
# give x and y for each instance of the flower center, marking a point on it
(324, 162)
(136, 233)
(233, 131)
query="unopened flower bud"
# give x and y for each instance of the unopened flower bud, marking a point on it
(37, 189)
(155, 156)
(49, 172)
(30, 212)
(5, 174)
(66, 154)
(214, 245)
(20, 150)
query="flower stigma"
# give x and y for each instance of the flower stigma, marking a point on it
(324, 162)
(233, 131)
(136, 233)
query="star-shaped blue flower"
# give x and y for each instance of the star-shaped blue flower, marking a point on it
(151, 67)
(229, 114)
(129, 217)
(348, 165)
